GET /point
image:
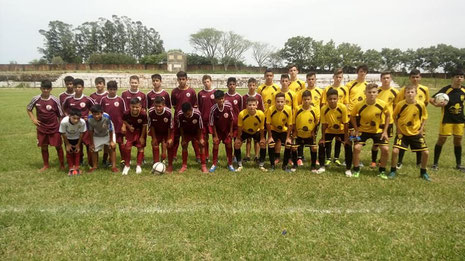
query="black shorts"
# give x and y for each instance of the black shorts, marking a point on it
(330, 136)
(416, 143)
(390, 130)
(279, 136)
(376, 137)
(305, 142)
(245, 136)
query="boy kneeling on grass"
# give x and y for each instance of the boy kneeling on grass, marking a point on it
(72, 129)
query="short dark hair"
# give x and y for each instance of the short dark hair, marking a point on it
(371, 86)
(181, 74)
(77, 82)
(384, 73)
(112, 85)
(46, 84)
(338, 71)
(231, 79)
(134, 77)
(251, 99)
(156, 76)
(135, 100)
(411, 86)
(458, 71)
(252, 80)
(311, 74)
(268, 70)
(279, 95)
(292, 65)
(75, 112)
(414, 72)
(159, 100)
(219, 94)
(68, 79)
(306, 93)
(96, 108)
(185, 107)
(362, 67)
(205, 77)
(99, 80)
(285, 76)
(332, 91)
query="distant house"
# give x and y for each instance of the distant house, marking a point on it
(177, 61)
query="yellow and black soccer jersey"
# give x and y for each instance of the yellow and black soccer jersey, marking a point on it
(342, 94)
(369, 117)
(316, 96)
(280, 121)
(453, 111)
(305, 121)
(251, 123)
(388, 96)
(297, 85)
(422, 94)
(356, 93)
(291, 99)
(409, 117)
(268, 92)
(335, 118)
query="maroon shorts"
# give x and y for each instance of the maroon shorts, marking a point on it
(161, 137)
(133, 140)
(225, 138)
(86, 138)
(119, 138)
(53, 139)
(190, 137)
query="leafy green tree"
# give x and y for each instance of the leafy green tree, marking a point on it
(154, 59)
(59, 41)
(298, 50)
(372, 59)
(391, 58)
(195, 59)
(350, 56)
(207, 41)
(111, 58)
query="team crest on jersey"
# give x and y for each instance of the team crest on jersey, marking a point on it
(212, 96)
(139, 120)
(409, 123)
(140, 99)
(235, 102)
(390, 99)
(420, 96)
(372, 123)
(226, 115)
(116, 104)
(305, 128)
(82, 104)
(360, 98)
(377, 115)
(188, 94)
(336, 126)
(283, 120)
(268, 101)
(48, 107)
(310, 121)
(280, 127)
(165, 119)
(250, 130)
(255, 124)
(194, 121)
(104, 126)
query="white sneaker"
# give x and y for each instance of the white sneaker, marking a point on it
(126, 170)
(314, 171)
(138, 169)
(320, 170)
(348, 173)
(238, 169)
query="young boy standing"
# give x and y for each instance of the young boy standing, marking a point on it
(134, 92)
(296, 85)
(252, 86)
(49, 114)
(100, 93)
(190, 125)
(221, 122)
(157, 91)
(366, 118)
(410, 116)
(356, 88)
(161, 126)
(135, 130)
(206, 100)
(72, 129)
(102, 135)
(69, 89)
(290, 95)
(268, 90)
(453, 119)
(235, 99)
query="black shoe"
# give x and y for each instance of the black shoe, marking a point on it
(460, 167)
(435, 167)
(246, 159)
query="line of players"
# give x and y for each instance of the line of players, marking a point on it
(272, 116)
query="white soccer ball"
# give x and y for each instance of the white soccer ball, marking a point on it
(441, 98)
(158, 168)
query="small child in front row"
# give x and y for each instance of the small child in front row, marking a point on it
(72, 129)
(135, 130)
(252, 86)
(102, 134)
(410, 116)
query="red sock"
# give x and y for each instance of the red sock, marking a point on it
(202, 158)
(77, 158)
(184, 157)
(205, 149)
(89, 155)
(215, 155)
(60, 156)
(70, 159)
(229, 152)
(121, 151)
(163, 156)
(156, 154)
(140, 157)
(45, 157)
(170, 156)
(196, 149)
(127, 156)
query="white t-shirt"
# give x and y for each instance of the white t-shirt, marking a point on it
(72, 131)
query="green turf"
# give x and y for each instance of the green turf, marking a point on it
(250, 215)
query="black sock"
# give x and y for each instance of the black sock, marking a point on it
(262, 155)
(237, 154)
(300, 152)
(458, 155)
(422, 171)
(294, 158)
(393, 169)
(271, 155)
(437, 154)
(418, 157)
(313, 157)
(321, 154)
(337, 149)
(328, 146)
(382, 169)
(348, 154)
(401, 156)
(277, 155)
(287, 155)
(374, 155)
(356, 168)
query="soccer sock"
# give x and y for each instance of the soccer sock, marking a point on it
(70, 160)
(422, 171)
(356, 168)
(458, 155)
(287, 155)
(374, 155)
(348, 155)
(105, 157)
(127, 156)
(328, 146)
(170, 156)
(271, 155)
(294, 158)
(437, 154)
(60, 156)
(206, 148)
(337, 149)
(184, 157)
(382, 169)
(300, 152)
(77, 159)
(215, 155)
(156, 153)
(321, 154)
(202, 158)
(313, 157)
(228, 155)
(140, 158)
(418, 157)
(237, 154)
(196, 149)
(45, 157)
(262, 155)
(401, 156)
(393, 169)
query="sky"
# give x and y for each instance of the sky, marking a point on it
(370, 24)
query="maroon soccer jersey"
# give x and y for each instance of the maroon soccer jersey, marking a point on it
(190, 125)
(48, 112)
(236, 102)
(137, 122)
(206, 100)
(153, 94)
(162, 122)
(259, 99)
(98, 97)
(115, 107)
(178, 97)
(63, 97)
(128, 95)
(222, 119)
(83, 104)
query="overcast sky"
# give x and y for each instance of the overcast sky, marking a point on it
(370, 24)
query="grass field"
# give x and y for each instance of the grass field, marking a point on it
(250, 215)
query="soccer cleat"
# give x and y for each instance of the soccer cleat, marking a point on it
(138, 169)
(435, 167)
(392, 175)
(91, 170)
(256, 159)
(115, 169)
(272, 168)
(337, 162)
(246, 159)
(382, 175)
(373, 165)
(239, 168)
(126, 170)
(425, 176)
(213, 168)
(262, 168)
(399, 165)
(77, 172)
(204, 168)
(122, 163)
(348, 173)
(70, 172)
(183, 168)
(300, 162)
(314, 171)
(231, 168)
(327, 162)
(320, 170)
(356, 174)
(287, 169)
(293, 169)
(460, 167)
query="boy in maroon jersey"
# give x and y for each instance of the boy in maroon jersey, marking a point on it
(157, 91)
(82, 103)
(221, 122)
(48, 110)
(206, 99)
(69, 89)
(252, 86)
(115, 107)
(135, 130)
(101, 92)
(190, 125)
(134, 92)
(180, 95)
(235, 99)
(161, 125)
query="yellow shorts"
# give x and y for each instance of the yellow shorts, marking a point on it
(447, 129)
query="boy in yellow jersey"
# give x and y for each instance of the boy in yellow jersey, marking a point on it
(422, 95)
(279, 126)
(306, 119)
(387, 94)
(356, 88)
(296, 84)
(251, 125)
(366, 117)
(268, 90)
(453, 119)
(410, 116)
(334, 125)
(290, 95)
(342, 98)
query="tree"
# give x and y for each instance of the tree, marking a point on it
(207, 42)
(87, 39)
(154, 59)
(261, 52)
(231, 49)
(372, 59)
(391, 59)
(59, 41)
(350, 56)
(196, 59)
(275, 60)
(298, 50)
